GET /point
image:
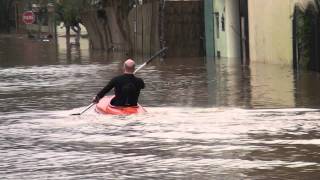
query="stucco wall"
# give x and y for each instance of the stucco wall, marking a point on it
(270, 29)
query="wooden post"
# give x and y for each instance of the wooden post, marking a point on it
(135, 29)
(142, 33)
(161, 23)
(17, 16)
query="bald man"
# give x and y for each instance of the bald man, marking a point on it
(126, 87)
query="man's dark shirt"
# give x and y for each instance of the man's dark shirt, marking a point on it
(127, 89)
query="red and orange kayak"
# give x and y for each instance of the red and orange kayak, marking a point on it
(104, 107)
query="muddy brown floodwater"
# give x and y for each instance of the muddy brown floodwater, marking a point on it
(206, 119)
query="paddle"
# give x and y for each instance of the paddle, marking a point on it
(140, 67)
(150, 59)
(88, 107)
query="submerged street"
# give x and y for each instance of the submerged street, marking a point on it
(207, 119)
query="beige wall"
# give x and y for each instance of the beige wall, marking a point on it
(270, 29)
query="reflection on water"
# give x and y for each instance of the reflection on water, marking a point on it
(206, 119)
(307, 89)
(272, 85)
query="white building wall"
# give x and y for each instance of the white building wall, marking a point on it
(219, 35)
(227, 41)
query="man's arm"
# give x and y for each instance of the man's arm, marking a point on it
(142, 84)
(104, 91)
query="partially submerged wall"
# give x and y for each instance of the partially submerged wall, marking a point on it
(184, 28)
(270, 29)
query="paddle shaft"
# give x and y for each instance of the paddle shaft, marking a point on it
(88, 107)
(140, 67)
(150, 59)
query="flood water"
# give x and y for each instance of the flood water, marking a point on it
(206, 119)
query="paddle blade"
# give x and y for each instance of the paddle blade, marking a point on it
(76, 114)
(88, 107)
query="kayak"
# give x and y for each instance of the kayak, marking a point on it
(104, 107)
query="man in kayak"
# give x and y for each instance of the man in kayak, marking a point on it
(126, 87)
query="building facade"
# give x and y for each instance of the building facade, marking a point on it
(224, 31)
(255, 30)
(271, 30)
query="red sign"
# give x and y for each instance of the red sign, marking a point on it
(28, 17)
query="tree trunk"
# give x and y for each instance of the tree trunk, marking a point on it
(68, 32)
(68, 44)
(4, 15)
(108, 33)
(91, 22)
(111, 28)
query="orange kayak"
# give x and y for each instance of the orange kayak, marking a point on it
(104, 107)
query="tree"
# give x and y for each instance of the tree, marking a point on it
(307, 35)
(69, 13)
(107, 23)
(5, 6)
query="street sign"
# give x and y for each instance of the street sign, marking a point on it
(28, 17)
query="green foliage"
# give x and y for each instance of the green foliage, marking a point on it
(4, 15)
(69, 11)
(304, 35)
(306, 22)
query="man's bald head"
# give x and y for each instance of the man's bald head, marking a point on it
(129, 66)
